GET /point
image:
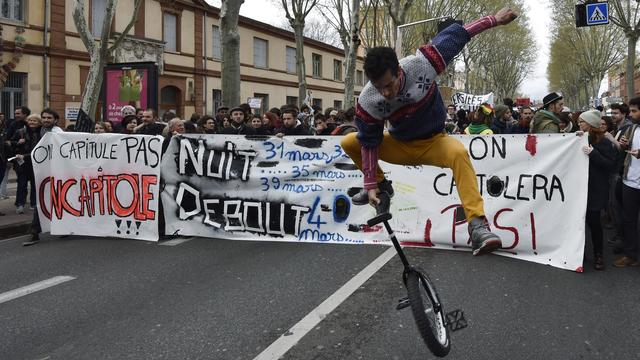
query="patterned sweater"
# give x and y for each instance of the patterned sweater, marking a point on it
(417, 112)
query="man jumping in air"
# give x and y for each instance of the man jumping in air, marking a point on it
(405, 94)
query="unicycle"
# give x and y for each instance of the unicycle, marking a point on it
(433, 324)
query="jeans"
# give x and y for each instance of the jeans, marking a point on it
(631, 207)
(25, 175)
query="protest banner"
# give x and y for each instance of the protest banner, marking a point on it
(98, 185)
(470, 102)
(298, 189)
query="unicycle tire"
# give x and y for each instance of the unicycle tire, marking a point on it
(430, 322)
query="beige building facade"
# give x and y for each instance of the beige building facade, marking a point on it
(182, 37)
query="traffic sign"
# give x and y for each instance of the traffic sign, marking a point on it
(597, 13)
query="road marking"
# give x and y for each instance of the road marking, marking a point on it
(41, 285)
(177, 241)
(299, 330)
(15, 238)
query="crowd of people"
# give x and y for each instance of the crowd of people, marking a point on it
(613, 195)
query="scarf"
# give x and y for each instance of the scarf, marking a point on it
(475, 129)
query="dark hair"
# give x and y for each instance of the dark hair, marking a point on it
(378, 61)
(24, 110)
(189, 127)
(609, 121)
(52, 112)
(275, 111)
(462, 116)
(508, 102)
(599, 108)
(194, 118)
(319, 116)
(451, 105)
(623, 108)
(327, 111)
(635, 102)
(290, 110)
(126, 120)
(273, 119)
(525, 107)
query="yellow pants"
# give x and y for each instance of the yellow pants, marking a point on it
(440, 150)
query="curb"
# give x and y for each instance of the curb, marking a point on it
(15, 229)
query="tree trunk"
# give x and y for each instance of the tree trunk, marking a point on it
(230, 38)
(298, 30)
(632, 39)
(91, 93)
(350, 68)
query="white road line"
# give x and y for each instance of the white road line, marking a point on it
(177, 241)
(299, 330)
(14, 238)
(41, 285)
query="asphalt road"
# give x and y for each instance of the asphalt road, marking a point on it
(216, 299)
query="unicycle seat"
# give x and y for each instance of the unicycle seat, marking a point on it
(382, 210)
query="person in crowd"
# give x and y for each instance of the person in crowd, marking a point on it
(602, 157)
(451, 113)
(546, 119)
(23, 141)
(150, 125)
(321, 126)
(566, 124)
(50, 120)
(237, 125)
(248, 113)
(256, 124)
(220, 114)
(139, 113)
(327, 113)
(608, 128)
(630, 188)
(463, 120)
(207, 125)
(174, 127)
(333, 117)
(108, 126)
(99, 128)
(127, 110)
(190, 128)
(522, 126)
(417, 137)
(345, 122)
(19, 120)
(500, 124)
(129, 124)
(269, 120)
(277, 124)
(479, 120)
(4, 152)
(225, 124)
(194, 118)
(291, 125)
(508, 102)
(167, 116)
(620, 118)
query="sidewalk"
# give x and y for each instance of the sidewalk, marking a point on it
(13, 224)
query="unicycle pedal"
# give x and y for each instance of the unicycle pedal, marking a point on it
(403, 303)
(455, 320)
(382, 210)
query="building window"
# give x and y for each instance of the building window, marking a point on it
(260, 53)
(13, 93)
(217, 100)
(290, 56)
(292, 100)
(170, 32)
(12, 9)
(337, 104)
(359, 78)
(217, 43)
(316, 60)
(337, 70)
(98, 8)
(317, 102)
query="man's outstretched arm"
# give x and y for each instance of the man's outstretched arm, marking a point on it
(448, 43)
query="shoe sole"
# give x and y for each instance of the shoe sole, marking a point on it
(29, 243)
(626, 265)
(358, 203)
(487, 247)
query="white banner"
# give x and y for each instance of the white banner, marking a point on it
(297, 189)
(470, 102)
(98, 184)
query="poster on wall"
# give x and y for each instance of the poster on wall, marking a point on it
(98, 184)
(134, 84)
(298, 189)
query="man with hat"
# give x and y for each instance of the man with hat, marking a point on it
(238, 125)
(546, 119)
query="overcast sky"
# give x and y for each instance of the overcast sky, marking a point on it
(535, 86)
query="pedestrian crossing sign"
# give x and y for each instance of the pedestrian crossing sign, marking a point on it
(597, 13)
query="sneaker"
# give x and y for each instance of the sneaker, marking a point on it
(625, 261)
(599, 263)
(20, 209)
(34, 240)
(362, 197)
(483, 241)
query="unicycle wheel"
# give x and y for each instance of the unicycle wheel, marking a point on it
(429, 316)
